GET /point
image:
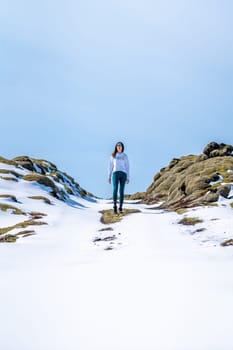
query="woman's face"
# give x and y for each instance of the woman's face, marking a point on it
(119, 147)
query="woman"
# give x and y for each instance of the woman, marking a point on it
(119, 172)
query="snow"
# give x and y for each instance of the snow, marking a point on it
(163, 285)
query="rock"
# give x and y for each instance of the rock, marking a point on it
(227, 243)
(213, 149)
(193, 180)
(210, 147)
(224, 191)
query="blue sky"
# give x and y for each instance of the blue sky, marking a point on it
(77, 76)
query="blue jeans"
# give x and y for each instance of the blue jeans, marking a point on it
(118, 177)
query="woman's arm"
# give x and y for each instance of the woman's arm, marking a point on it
(127, 168)
(110, 169)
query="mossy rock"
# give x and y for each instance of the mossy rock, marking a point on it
(181, 211)
(224, 190)
(45, 199)
(190, 181)
(56, 177)
(7, 161)
(209, 197)
(33, 164)
(9, 196)
(108, 216)
(15, 210)
(68, 190)
(8, 239)
(227, 243)
(213, 149)
(106, 229)
(228, 178)
(37, 215)
(41, 179)
(9, 178)
(25, 233)
(45, 164)
(135, 196)
(25, 162)
(190, 221)
(82, 192)
(10, 172)
(23, 224)
(45, 173)
(173, 162)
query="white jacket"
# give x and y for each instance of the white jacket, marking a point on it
(119, 163)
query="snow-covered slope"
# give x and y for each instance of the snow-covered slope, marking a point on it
(147, 282)
(28, 189)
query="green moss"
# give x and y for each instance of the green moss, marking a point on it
(108, 217)
(15, 210)
(190, 221)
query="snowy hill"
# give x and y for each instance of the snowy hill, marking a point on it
(154, 279)
(194, 180)
(28, 187)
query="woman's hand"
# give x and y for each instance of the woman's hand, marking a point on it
(127, 181)
(109, 180)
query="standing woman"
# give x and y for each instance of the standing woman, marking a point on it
(119, 173)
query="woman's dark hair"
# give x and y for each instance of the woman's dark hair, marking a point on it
(115, 150)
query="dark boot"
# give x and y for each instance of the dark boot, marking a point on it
(115, 209)
(120, 208)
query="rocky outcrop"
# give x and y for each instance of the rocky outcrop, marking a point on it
(57, 183)
(28, 187)
(213, 149)
(193, 180)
